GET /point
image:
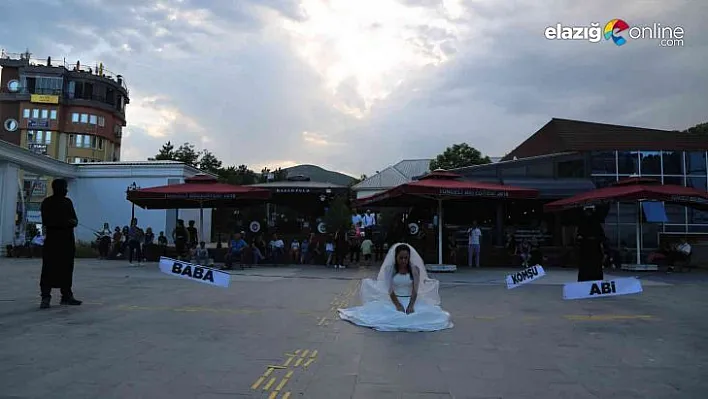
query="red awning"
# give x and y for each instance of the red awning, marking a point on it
(196, 192)
(445, 186)
(634, 189)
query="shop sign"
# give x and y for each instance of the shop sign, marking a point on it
(292, 190)
(44, 99)
(38, 123)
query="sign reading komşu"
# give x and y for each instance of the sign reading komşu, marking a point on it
(525, 276)
(601, 288)
(190, 271)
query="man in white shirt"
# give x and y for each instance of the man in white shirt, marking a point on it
(369, 219)
(473, 236)
(356, 218)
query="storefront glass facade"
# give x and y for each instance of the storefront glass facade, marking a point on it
(685, 168)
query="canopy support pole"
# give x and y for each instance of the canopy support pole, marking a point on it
(440, 232)
(639, 232)
(201, 221)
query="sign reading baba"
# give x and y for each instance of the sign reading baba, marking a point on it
(601, 288)
(525, 276)
(194, 272)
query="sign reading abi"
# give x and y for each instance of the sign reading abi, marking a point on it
(600, 288)
(524, 276)
(202, 274)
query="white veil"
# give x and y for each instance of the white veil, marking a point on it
(378, 290)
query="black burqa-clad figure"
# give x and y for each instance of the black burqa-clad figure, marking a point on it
(59, 218)
(591, 237)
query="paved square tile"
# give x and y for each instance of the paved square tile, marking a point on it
(274, 333)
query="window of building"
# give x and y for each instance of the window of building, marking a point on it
(75, 117)
(628, 162)
(30, 136)
(650, 162)
(44, 114)
(603, 163)
(39, 136)
(26, 113)
(84, 118)
(71, 89)
(48, 137)
(603, 181)
(35, 113)
(676, 214)
(53, 114)
(696, 162)
(93, 119)
(675, 180)
(672, 161)
(48, 85)
(101, 121)
(571, 169)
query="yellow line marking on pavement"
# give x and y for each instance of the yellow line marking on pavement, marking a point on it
(608, 317)
(286, 395)
(298, 362)
(268, 372)
(283, 382)
(304, 354)
(287, 362)
(269, 384)
(258, 382)
(276, 367)
(314, 353)
(273, 395)
(297, 352)
(308, 363)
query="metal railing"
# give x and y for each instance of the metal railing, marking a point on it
(97, 69)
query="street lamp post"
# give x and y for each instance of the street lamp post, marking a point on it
(132, 187)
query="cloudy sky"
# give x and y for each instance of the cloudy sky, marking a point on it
(357, 85)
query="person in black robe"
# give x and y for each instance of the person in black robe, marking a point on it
(591, 237)
(59, 218)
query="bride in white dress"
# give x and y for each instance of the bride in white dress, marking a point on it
(402, 298)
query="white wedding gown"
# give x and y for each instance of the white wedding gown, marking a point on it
(378, 311)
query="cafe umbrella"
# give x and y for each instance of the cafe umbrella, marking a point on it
(197, 192)
(440, 186)
(634, 189)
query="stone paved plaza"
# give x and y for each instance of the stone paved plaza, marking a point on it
(144, 334)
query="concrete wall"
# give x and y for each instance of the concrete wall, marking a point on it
(101, 200)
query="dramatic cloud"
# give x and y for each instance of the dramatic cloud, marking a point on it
(358, 85)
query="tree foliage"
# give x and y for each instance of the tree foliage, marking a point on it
(188, 154)
(166, 153)
(206, 161)
(701, 128)
(459, 156)
(209, 163)
(339, 215)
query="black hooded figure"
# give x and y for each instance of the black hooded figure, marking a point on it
(59, 218)
(591, 235)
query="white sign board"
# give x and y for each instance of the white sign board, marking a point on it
(189, 271)
(600, 288)
(525, 276)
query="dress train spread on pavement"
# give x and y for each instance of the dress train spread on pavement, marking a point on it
(378, 310)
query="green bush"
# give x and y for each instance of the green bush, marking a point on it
(86, 250)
